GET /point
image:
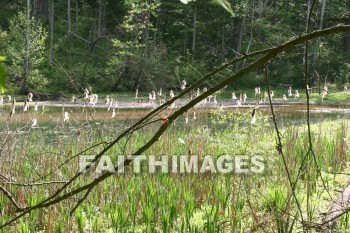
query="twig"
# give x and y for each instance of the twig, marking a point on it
(308, 103)
(4, 177)
(310, 150)
(35, 184)
(81, 200)
(12, 200)
(89, 42)
(279, 146)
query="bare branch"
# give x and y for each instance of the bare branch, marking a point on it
(81, 200)
(279, 146)
(35, 184)
(9, 196)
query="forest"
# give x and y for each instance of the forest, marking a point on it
(113, 45)
(175, 116)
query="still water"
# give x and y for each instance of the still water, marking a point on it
(52, 117)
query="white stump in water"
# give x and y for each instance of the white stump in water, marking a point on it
(36, 106)
(30, 97)
(65, 117)
(25, 106)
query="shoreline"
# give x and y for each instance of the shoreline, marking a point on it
(225, 103)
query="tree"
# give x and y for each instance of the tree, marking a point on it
(26, 50)
(161, 37)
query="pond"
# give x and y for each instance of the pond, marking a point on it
(52, 116)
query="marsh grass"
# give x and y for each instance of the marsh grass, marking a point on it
(172, 202)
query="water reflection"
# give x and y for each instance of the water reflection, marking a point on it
(52, 118)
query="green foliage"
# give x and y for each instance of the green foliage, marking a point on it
(2, 75)
(179, 202)
(80, 219)
(226, 5)
(238, 125)
(149, 44)
(344, 74)
(19, 31)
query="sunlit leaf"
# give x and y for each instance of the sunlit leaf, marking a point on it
(226, 5)
(185, 1)
(2, 78)
(2, 58)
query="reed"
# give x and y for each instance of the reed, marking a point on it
(172, 202)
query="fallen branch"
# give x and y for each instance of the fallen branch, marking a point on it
(46, 96)
(337, 209)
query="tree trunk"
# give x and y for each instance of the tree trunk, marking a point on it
(124, 75)
(185, 43)
(307, 29)
(347, 43)
(144, 57)
(317, 53)
(76, 15)
(51, 29)
(146, 37)
(138, 78)
(158, 22)
(233, 33)
(26, 57)
(194, 31)
(99, 19)
(240, 35)
(240, 38)
(232, 26)
(69, 18)
(223, 46)
(43, 9)
(251, 33)
(40, 10)
(35, 12)
(322, 13)
(347, 35)
(260, 9)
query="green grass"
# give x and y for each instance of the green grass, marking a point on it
(335, 96)
(180, 203)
